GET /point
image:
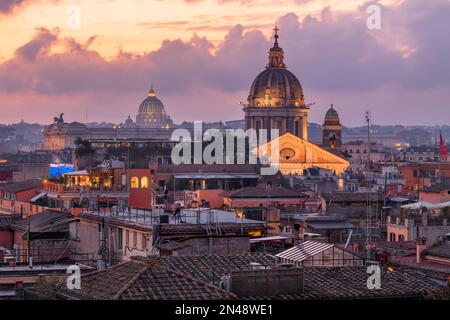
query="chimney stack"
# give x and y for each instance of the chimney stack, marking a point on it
(420, 248)
(19, 290)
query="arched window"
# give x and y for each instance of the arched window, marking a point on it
(135, 182)
(144, 182)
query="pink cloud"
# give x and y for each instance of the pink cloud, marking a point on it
(337, 59)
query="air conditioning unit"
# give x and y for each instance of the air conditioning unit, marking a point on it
(10, 260)
(256, 266)
(225, 283)
(286, 265)
(164, 218)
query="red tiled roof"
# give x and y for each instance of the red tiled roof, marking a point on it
(142, 279)
(19, 186)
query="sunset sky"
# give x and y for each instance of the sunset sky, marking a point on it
(202, 55)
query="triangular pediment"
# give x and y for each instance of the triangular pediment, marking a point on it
(294, 149)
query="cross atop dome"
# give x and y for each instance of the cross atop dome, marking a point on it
(276, 29)
(276, 54)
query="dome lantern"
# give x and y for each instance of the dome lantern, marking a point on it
(276, 54)
(151, 92)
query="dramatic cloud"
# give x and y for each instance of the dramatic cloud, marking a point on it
(8, 5)
(396, 70)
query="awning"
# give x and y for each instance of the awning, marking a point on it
(76, 173)
(35, 198)
(304, 251)
(421, 204)
(269, 239)
(398, 199)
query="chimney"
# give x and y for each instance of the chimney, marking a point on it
(11, 262)
(19, 290)
(420, 248)
(266, 282)
(296, 234)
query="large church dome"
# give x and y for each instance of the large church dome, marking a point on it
(276, 86)
(152, 113)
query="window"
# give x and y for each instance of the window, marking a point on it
(127, 237)
(392, 237)
(401, 237)
(277, 124)
(134, 239)
(144, 182)
(119, 239)
(144, 242)
(77, 232)
(135, 182)
(258, 125)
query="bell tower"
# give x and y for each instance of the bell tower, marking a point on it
(332, 130)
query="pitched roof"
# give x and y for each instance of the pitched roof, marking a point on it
(47, 221)
(263, 192)
(7, 220)
(437, 187)
(351, 196)
(440, 250)
(143, 279)
(320, 282)
(19, 186)
(351, 283)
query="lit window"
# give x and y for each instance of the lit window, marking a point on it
(144, 182)
(135, 182)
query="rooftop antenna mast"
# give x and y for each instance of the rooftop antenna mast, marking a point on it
(369, 187)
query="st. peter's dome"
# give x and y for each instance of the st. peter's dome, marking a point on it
(152, 113)
(276, 86)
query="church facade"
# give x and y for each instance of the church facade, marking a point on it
(276, 101)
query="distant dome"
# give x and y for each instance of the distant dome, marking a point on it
(129, 122)
(332, 117)
(276, 86)
(152, 113)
